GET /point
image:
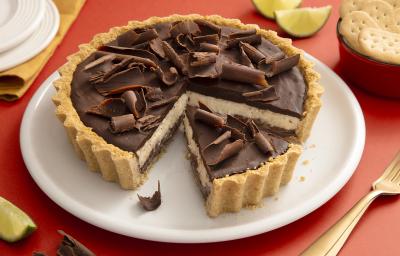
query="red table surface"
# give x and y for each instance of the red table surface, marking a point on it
(377, 233)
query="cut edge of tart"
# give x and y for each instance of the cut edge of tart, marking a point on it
(122, 166)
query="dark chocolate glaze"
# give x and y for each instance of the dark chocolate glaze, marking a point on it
(290, 87)
(250, 157)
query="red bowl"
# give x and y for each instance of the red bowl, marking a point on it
(377, 77)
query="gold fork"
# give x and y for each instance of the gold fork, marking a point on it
(330, 243)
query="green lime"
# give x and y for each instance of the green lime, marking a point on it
(303, 22)
(268, 7)
(14, 223)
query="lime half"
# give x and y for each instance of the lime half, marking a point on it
(303, 22)
(268, 7)
(14, 223)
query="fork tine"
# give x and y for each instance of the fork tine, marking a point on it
(389, 171)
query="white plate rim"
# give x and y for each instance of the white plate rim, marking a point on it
(198, 236)
(51, 16)
(18, 31)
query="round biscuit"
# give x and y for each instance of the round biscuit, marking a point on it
(348, 6)
(381, 12)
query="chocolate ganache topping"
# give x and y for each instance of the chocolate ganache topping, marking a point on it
(125, 89)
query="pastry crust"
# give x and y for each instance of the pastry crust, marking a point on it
(122, 166)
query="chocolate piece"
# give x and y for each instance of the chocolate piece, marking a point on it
(123, 123)
(162, 102)
(163, 30)
(153, 202)
(145, 36)
(252, 39)
(147, 122)
(154, 94)
(127, 39)
(243, 33)
(207, 47)
(251, 125)
(244, 74)
(109, 108)
(209, 118)
(202, 58)
(186, 42)
(244, 59)
(264, 95)
(118, 89)
(226, 135)
(156, 47)
(173, 56)
(99, 61)
(169, 77)
(283, 65)
(211, 39)
(71, 247)
(142, 102)
(218, 155)
(185, 27)
(207, 27)
(273, 57)
(263, 143)
(255, 55)
(237, 128)
(135, 55)
(131, 100)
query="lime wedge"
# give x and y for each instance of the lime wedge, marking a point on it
(303, 22)
(14, 223)
(268, 7)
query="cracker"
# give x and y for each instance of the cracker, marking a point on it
(352, 24)
(380, 45)
(394, 3)
(396, 20)
(381, 12)
(348, 6)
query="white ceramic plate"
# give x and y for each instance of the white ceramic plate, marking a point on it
(338, 136)
(18, 20)
(34, 44)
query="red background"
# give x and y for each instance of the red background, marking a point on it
(377, 234)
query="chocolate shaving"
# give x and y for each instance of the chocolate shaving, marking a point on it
(154, 94)
(142, 103)
(123, 123)
(283, 65)
(237, 127)
(131, 100)
(226, 135)
(235, 133)
(264, 95)
(147, 122)
(263, 144)
(119, 90)
(153, 202)
(157, 48)
(252, 39)
(99, 61)
(163, 30)
(275, 57)
(109, 108)
(162, 102)
(244, 59)
(207, 47)
(135, 55)
(251, 125)
(71, 247)
(242, 33)
(173, 57)
(211, 39)
(184, 27)
(207, 27)
(145, 36)
(168, 77)
(241, 73)
(128, 38)
(209, 118)
(115, 69)
(213, 156)
(186, 42)
(255, 55)
(197, 59)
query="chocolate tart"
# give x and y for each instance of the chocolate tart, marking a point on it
(122, 96)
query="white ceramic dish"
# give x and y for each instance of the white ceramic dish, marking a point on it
(35, 43)
(338, 135)
(18, 20)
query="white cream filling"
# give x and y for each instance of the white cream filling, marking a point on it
(194, 150)
(266, 117)
(166, 125)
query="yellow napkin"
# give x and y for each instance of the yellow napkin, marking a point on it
(16, 81)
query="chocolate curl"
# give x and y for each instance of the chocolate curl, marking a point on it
(211, 39)
(162, 102)
(169, 77)
(244, 59)
(163, 30)
(108, 108)
(173, 57)
(283, 65)
(263, 144)
(136, 55)
(255, 55)
(146, 36)
(123, 123)
(119, 90)
(147, 123)
(198, 59)
(269, 59)
(131, 100)
(243, 33)
(153, 202)
(184, 27)
(206, 47)
(264, 95)
(99, 61)
(226, 135)
(154, 94)
(235, 133)
(71, 246)
(251, 125)
(228, 151)
(208, 27)
(241, 73)
(236, 126)
(115, 69)
(156, 46)
(186, 42)
(142, 103)
(252, 39)
(128, 38)
(209, 118)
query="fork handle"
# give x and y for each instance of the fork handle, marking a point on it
(330, 243)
